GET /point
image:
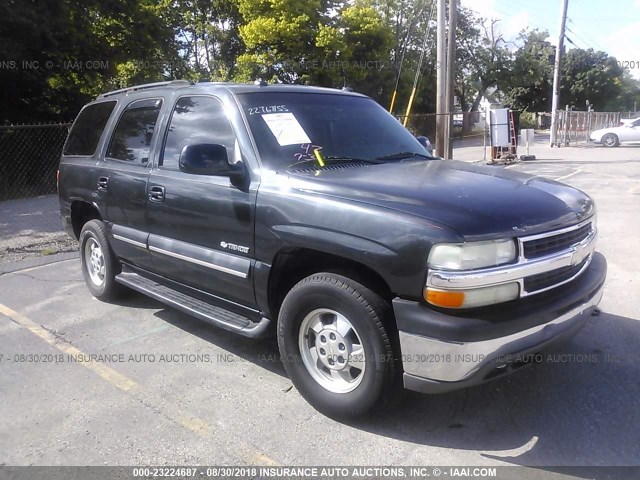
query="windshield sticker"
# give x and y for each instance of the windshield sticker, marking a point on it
(268, 109)
(311, 152)
(286, 128)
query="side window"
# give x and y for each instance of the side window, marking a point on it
(636, 123)
(87, 129)
(131, 140)
(196, 120)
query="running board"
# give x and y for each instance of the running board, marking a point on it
(212, 314)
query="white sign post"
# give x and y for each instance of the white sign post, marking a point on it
(526, 137)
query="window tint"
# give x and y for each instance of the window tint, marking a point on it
(132, 137)
(288, 127)
(196, 120)
(87, 129)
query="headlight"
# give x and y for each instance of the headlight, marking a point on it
(469, 256)
(472, 256)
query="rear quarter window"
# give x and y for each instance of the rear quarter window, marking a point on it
(87, 129)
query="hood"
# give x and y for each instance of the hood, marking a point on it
(477, 201)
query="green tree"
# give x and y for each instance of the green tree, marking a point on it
(529, 84)
(593, 76)
(280, 39)
(315, 42)
(484, 61)
(356, 49)
(207, 35)
(409, 23)
(81, 49)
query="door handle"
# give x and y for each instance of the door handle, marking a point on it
(156, 193)
(103, 183)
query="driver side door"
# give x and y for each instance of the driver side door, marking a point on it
(201, 226)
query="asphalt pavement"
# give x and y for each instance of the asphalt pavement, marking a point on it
(163, 388)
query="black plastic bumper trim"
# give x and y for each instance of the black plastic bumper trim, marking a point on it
(500, 320)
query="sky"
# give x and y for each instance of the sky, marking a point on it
(609, 25)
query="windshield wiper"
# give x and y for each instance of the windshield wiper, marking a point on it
(403, 155)
(336, 159)
(352, 159)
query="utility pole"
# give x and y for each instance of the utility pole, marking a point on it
(451, 76)
(441, 78)
(556, 74)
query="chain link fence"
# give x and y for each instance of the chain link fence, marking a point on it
(29, 212)
(29, 158)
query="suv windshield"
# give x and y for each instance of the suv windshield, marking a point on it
(289, 127)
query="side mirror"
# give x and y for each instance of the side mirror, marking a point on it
(204, 159)
(424, 141)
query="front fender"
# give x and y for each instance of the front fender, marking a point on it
(394, 244)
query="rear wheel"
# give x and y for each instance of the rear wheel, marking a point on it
(334, 345)
(610, 140)
(99, 263)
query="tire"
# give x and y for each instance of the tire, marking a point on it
(312, 318)
(98, 262)
(610, 140)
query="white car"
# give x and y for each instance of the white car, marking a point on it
(614, 136)
(624, 121)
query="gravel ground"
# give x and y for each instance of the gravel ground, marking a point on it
(31, 227)
(57, 243)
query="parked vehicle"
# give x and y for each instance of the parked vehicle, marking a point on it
(614, 136)
(312, 214)
(625, 121)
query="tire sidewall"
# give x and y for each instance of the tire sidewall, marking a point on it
(613, 137)
(94, 229)
(302, 300)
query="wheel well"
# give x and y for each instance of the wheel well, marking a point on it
(81, 213)
(292, 265)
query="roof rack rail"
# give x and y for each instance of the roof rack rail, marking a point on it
(170, 83)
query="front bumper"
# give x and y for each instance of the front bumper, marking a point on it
(444, 351)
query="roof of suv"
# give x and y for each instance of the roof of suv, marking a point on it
(232, 87)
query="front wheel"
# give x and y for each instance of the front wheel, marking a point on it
(610, 140)
(334, 345)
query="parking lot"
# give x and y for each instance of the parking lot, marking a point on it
(168, 389)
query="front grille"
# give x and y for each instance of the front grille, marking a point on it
(555, 243)
(553, 278)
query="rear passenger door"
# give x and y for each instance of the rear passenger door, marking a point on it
(201, 225)
(123, 180)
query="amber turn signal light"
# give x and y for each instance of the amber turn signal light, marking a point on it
(441, 298)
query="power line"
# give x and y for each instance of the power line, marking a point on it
(580, 37)
(534, 19)
(570, 41)
(575, 35)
